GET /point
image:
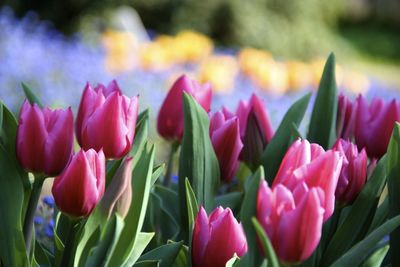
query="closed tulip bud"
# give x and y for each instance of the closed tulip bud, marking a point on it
(170, 116)
(374, 125)
(106, 120)
(292, 219)
(345, 117)
(44, 139)
(255, 129)
(354, 171)
(79, 188)
(225, 138)
(217, 238)
(118, 196)
(310, 164)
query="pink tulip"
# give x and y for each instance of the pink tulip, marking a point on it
(217, 238)
(310, 164)
(292, 219)
(44, 139)
(374, 125)
(79, 188)
(106, 120)
(225, 138)
(170, 117)
(354, 171)
(255, 129)
(345, 117)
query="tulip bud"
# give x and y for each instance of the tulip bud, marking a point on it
(170, 116)
(44, 139)
(345, 117)
(255, 129)
(374, 125)
(292, 220)
(354, 171)
(106, 120)
(217, 238)
(225, 138)
(118, 196)
(79, 188)
(310, 164)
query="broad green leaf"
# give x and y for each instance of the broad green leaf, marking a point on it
(322, 128)
(360, 216)
(31, 96)
(141, 184)
(141, 134)
(141, 243)
(230, 200)
(157, 171)
(357, 254)
(42, 256)
(276, 149)
(377, 258)
(232, 262)
(192, 206)
(183, 260)
(169, 200)
(165, 254)
(147, 264)
(266, 244)
(381, 215)
(111, 168)
(197, 162)
(248, 211)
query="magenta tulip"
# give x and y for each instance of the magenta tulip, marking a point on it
(292, 219)
(354, 171)
(374, 125)
(345, 117)
(255, 129)
(225, 138)
(79, 188)
(106, 120)
(217, 238)
(310, 164)
(170, 116)
(44, 139)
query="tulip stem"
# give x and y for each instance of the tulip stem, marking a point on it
(168, 175)
(31, 209)
(67, 258)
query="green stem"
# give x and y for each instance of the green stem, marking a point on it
(168, 174)
(67, 258)
(30, 212)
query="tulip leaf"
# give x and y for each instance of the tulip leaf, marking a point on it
(192, 207)
(182, 260)
(266, 244)
(393, 184)
(276, 149)
(157, 171)
(248, 211)
(381, 215)
(141, 134)
(31, 96)
(165, 254)
(12, 244)
(230, 200)
(357, 254)
(147, 264)
(42, 255)
(141, 185)
(322, 129)
(360, 216)
(198, 161)
(377, 258)
(142, 240)
(232, 262)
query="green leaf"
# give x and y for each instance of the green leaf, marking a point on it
(377, 258)
(248, 211)
(143, 239)
(393, 184)
(266, 244)
(360, 216)
(43, 256)
(276, 149)
(232, 262)
(357, 254)
(157, 171)
(147, 264)
(197, 162)
(192, 206)
(230, 200)
(141, 134)
(141, 184)
(31, 96)
(323, 118)
(165, 254)
(381, 215)
(182, 260)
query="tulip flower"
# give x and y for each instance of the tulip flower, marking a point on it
(374, 125)
(79, 188)
(354, 171)
(255, 129)
(170, 116)
(106, 120)
(44, 139)
(225, 138)
(345, 117)
(292, 219)
(217, 238)
(310, 164)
